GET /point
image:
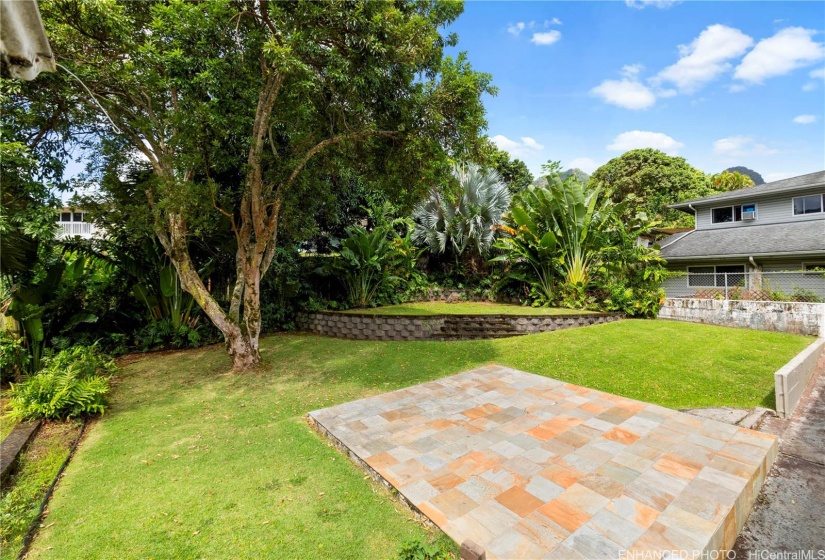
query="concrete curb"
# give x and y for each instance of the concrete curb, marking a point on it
(13, 446)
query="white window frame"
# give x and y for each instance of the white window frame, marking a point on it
(733, 212)
(808, 268)
(821, 204)
(755, 210)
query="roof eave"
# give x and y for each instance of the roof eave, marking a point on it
(746, 255)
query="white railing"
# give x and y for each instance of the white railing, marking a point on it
(805, 286)
(72, 229)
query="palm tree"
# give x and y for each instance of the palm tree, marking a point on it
(470, 221)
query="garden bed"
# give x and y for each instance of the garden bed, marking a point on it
(143, 482)
(431, 308)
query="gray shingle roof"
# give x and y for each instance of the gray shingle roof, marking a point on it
(792, 184)
(788, 239)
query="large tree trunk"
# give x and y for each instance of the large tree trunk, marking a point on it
(242, 347)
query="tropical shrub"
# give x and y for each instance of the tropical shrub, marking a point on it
(371, 261)
(571, 246)
(14, 357)
(469, 220)
(72, 383)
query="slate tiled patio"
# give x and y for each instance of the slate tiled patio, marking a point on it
(530, 467)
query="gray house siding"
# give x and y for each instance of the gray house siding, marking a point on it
(773, 209)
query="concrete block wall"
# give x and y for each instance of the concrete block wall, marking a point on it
(364, 326)
(544, 323)
(791, 380)
(789, 317)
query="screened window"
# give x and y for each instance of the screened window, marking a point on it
(726, 214)
(716, 276)
(814, 268)
(811, 204)
(78, 217)
(65, 216)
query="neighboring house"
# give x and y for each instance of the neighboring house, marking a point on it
(744, 238)
(71, 222)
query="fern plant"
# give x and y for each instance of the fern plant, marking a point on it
(72, 383)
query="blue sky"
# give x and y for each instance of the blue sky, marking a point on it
(718, 83)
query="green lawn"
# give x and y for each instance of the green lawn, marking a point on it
(192, 461)
(466, 308)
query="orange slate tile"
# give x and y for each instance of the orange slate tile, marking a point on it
(562, 475)
(519, 501)
(552, 428)
(483, 410)
(593, 407)
(381, 461)
(678, 467)
(440, 424)
(445, 481)
(392, 415)
(432, 513)
(566, 515)
(621, 435)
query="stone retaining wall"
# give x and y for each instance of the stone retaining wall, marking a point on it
(790, 317)
(365, 326)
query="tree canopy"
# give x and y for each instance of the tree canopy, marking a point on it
(242, 109)
(655, 180)
(513, 172)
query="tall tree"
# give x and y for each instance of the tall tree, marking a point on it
(654, 179)
(275, 92)
(731, 181)
(513, 172)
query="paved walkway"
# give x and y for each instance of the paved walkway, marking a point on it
(790, 513)
(530, 467)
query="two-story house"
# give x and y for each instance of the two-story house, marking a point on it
(743, 236)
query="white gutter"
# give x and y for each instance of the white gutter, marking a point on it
(24, 47)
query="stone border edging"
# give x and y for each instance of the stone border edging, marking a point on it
(13, 446)
(792, 378)
(370, 326)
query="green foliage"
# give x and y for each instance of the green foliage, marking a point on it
(369, 262)
(14, 357)
(418, 549)
(72, 383)
(513, 172)
(570, 245)
(470, 221)
(656, 180)
(754, 176)
(730, 181)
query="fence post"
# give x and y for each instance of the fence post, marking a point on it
(726, 285)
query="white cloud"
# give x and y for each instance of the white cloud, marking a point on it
(645, 139)
(546, 37)
(641, 4)
(554, 21)
(741, 146)
(515, 28)
(805, 119)
(584, 163)
(527, 147)
(705, 58)
(736, 88)
(818, 73)
(787, 50)
(632, 70)
(627, 93)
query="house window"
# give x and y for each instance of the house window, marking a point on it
(716, 276)
(726, 214)
(814, 268)
(65, 216)
(811, 204)
(77, 217)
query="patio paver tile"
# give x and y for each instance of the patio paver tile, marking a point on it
(529, 467)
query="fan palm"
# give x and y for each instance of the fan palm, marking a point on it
(470, 221)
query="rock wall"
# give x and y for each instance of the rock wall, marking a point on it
(365, 326)
(789, 317)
